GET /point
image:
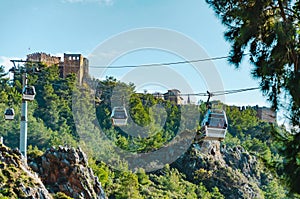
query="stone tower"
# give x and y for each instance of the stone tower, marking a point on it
(75, 63)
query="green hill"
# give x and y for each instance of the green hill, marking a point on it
(250, 163)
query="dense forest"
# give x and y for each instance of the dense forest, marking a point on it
(64, 113)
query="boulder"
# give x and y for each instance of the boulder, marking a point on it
(66, 170)
(232, 170)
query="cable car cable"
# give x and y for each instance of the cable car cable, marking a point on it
(218, 93)
(161, 64)
(214, 93)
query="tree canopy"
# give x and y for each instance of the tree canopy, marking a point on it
(267, 31)
(51, 123)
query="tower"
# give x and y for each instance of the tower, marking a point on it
(75, 63)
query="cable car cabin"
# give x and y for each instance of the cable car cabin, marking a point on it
(28, 93)
(214, 126)
(119, 116)
(9, 114)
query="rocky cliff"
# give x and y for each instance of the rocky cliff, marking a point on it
(66, 170)
(234, 171)
(63, 170)
(16, 178)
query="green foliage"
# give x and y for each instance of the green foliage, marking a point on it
(34, 152)
(260, 148)
(12, 178)
(127, 186)
(101, 170)
(141, 109)
(173, 184)
(170, 184)
(61, 195)
(289, 148)
(274, 190)
(240, 121)
(269, 31)
(257, 137)
(231, 141)
(54, 96)
(202, 192)
(216, 194)
(143, 178)
(51, 122)
(202, 174)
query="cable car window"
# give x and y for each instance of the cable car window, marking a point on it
(119, 115)
(28, 93)
(216, 122)
(29, 90)
(9, 114)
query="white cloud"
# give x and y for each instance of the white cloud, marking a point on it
(5, 61)
(105, 2)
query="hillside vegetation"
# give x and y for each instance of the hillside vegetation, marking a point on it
(250, 163)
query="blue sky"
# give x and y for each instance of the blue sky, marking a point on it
(80, 26)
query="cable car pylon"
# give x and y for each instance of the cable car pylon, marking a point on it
(28, 94)
(23, 125)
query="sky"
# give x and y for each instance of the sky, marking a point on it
(191, 29)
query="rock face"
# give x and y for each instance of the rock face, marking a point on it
(66, 170)
(234, 171)
(16, 178)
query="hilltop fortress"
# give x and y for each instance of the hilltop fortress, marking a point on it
(71, 63)
(79, 65)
